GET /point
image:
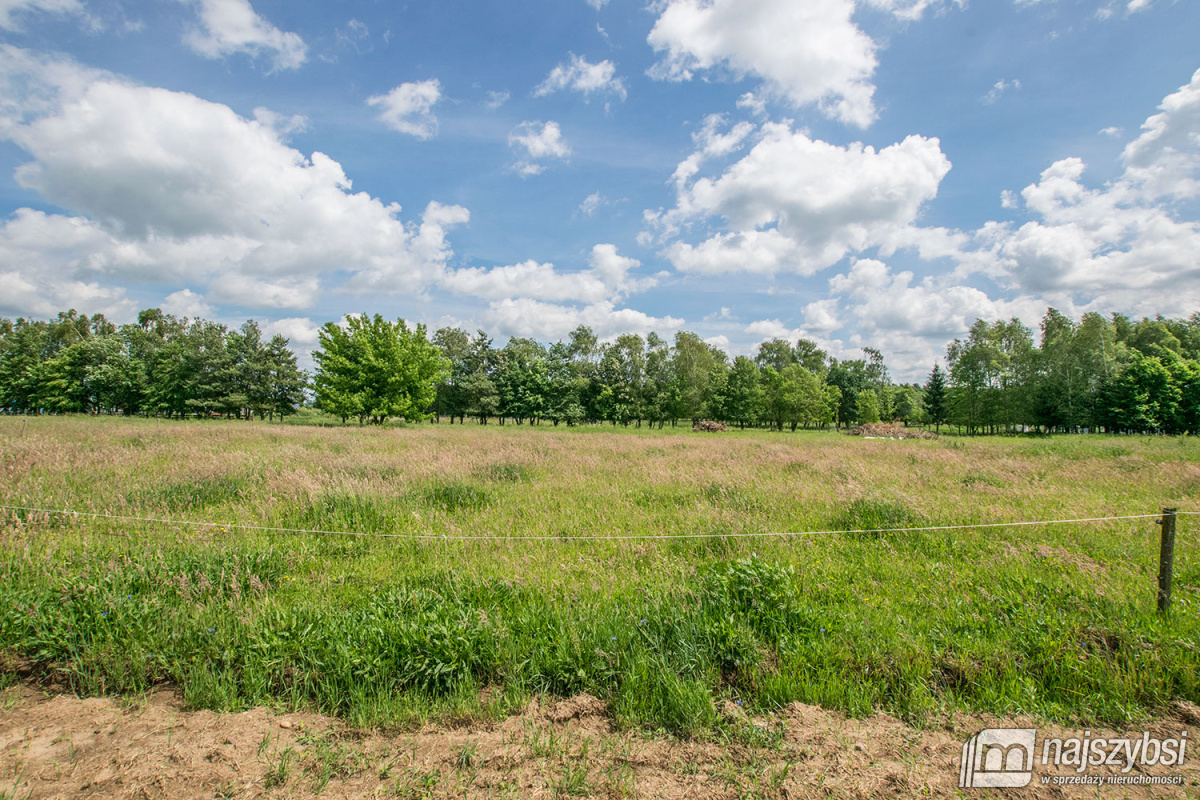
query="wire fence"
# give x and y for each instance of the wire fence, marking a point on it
(580, 537)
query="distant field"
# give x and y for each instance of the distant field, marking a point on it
(1056, 621)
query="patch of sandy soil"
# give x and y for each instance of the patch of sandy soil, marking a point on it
(60, 746)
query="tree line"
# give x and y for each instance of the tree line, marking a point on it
(1101, 373)
(1098, 374)
(636, 380)
(162, 366)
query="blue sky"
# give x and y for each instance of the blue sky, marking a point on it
(871, 173)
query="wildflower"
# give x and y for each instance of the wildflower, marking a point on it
(104, 613)
(212, 630)
(822, 630)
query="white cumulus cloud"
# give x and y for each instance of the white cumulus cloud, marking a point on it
(798, 204)
(807, 52)
(300, 331)
(166, 187)
(591, 203)
(606, 278)
(186, 303)
(1165, 159)
(540, 141)
(277, 292)
(549, 322)
(233, 26)
(911, 321)
(409, 108)
(1126, 244)
(910, 9)
(285, 126)
(581, 76)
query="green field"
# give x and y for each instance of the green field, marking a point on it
(1057, 621)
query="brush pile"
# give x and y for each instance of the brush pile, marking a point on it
(883, 430)
(708, 426)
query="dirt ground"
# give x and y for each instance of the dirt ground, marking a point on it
(60, 746)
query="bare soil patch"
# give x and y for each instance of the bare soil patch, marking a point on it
(60, 746)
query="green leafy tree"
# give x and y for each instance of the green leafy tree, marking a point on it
(483, 362)
(868, 407)
(907, 405)
(374, 369)
(119, 377)
(209, 370)
(622, 377)
(455, 344)
(23, 350)
(991, 375)
(563, 389)
(850, 377)
(170, 387)
(811, 357)
(793, 397)
(693, 363)
(815, 398)
(659, 386)
(742, 399)
(776, 353)
(522, 380)
(483, 401)
(64, 386)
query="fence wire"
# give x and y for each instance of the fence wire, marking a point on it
(587, 537)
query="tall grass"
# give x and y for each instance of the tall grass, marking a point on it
(1057, 621)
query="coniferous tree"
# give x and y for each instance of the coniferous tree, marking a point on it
(286, 380)
(936, 407)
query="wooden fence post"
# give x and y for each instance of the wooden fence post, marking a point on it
(1166, 559)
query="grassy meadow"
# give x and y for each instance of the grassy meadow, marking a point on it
(1057, 621)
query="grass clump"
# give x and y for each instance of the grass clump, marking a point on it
(196, 494)
(734, 498)
(507, 473)
(451, 496)
(653, 695)
(872, 517)
(350, 512)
